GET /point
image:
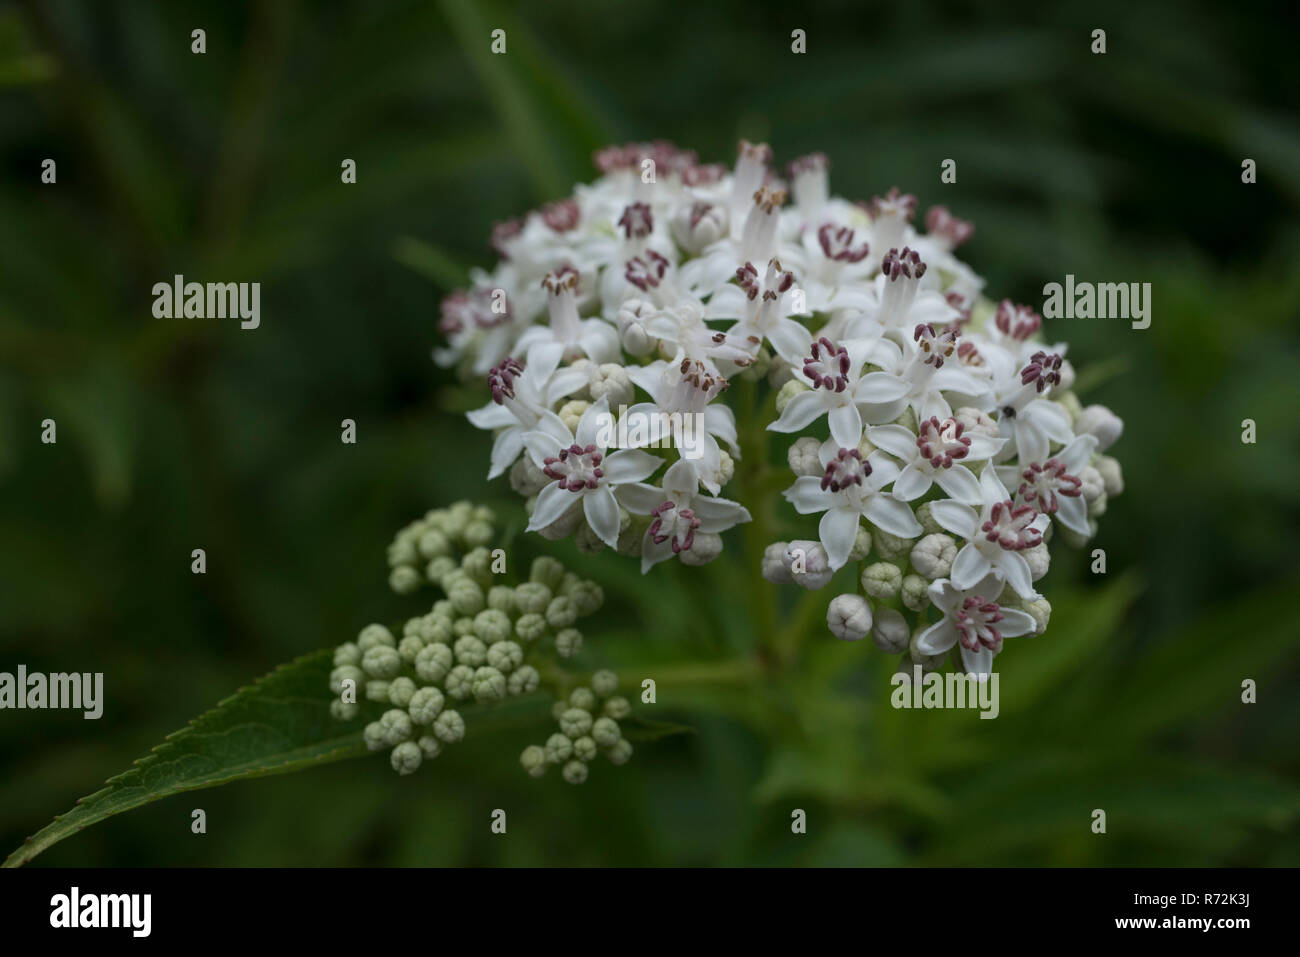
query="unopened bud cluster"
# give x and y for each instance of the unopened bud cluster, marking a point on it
(588, 721)
(479, 644)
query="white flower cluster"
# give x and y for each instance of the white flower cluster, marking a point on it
(954, 439)
(475, 647)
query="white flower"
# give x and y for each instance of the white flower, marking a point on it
(1055, 487)
(850, 490)
(593, 338)
(523, 395)
(1029, 420)
(994, 538)
(837, 390)
(918, 373)
(763, 307)
(973, 619)
(935, 455)
(680, 513)
(584, 474)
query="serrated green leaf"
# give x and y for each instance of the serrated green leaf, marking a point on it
(278, 724)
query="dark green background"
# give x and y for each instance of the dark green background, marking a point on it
(175, 435)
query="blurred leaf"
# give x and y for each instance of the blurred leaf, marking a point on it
(279, 724)
(642, 730)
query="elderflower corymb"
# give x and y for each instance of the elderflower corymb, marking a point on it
(933, 430)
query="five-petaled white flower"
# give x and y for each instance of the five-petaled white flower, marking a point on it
(584, 474)
(679, 511)
(851, 489)
(972, 619)
(935, 454)
(994, 538)
(1054, 487)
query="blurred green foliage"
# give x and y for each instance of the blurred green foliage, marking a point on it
(176, 435)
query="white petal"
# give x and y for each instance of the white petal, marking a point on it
(1015, 572)
(960, 483)
(1015, 622)
(895, 440)
(491, 416)
(595, 421)
(880, 387)
(977, 662)
(912, 483)
(505, 449)
(718, 514)
(552, 503)
(808, 496)
(838, 530)
(892, 516)
(846, 425)
(799, 412)
(957, 518)
(629, 465)
(992, 488)
(791, 341)
(938, 639)
(969, 566)
(541, 446)
(601, 510)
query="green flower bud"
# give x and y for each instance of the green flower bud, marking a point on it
(400, 691)
(861, 545)
(575, 772)
(381, 662)
(575, 722)
(460, 682)
(449, 727)
(890, 547)
(430, 747)
(406, 757)
(396, 725)
(532, 597)
(489, 685)
(606, 732)
(726, 467)
(492, 626)
(374, 635)
(584, 749)
(478, 534)
(568, 642)
(546, 571)
(404, 580)
(587, 597)
(402, 551)
(530, 627)
(343, 673)
(462, 627)
(377, 690)
(433, 544)
(343, 710)
(588, 542)
(621, 752)
(409, 647)
(915, 591)
(617, 708)
(433, 662)
(604, 682)
(523, 680)
(467, 598)
(558, 709)
(505, 656)
(348, 653)
(534, 760)
(502, 598)
(442, 609)
(470, 651)
(927, 522)
(558, 748)
(483, 513)
(788, 392)
(425, 705)
(561, 612)
(583, 698)
(477, 564)
(572, 411)
(375, 736)
(882, 580)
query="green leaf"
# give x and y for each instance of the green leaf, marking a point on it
(641, 730)
(280, 723)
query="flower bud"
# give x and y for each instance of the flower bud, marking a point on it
(406, 757)
(933, 555)
(1102, 422)
(882, 580)
(534, 760)
(449, 727)
(890, 631)
(915, 592)
(849, 617)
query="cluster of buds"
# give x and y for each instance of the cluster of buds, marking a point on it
(484, 641)
(588, 725)
(937, 435)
